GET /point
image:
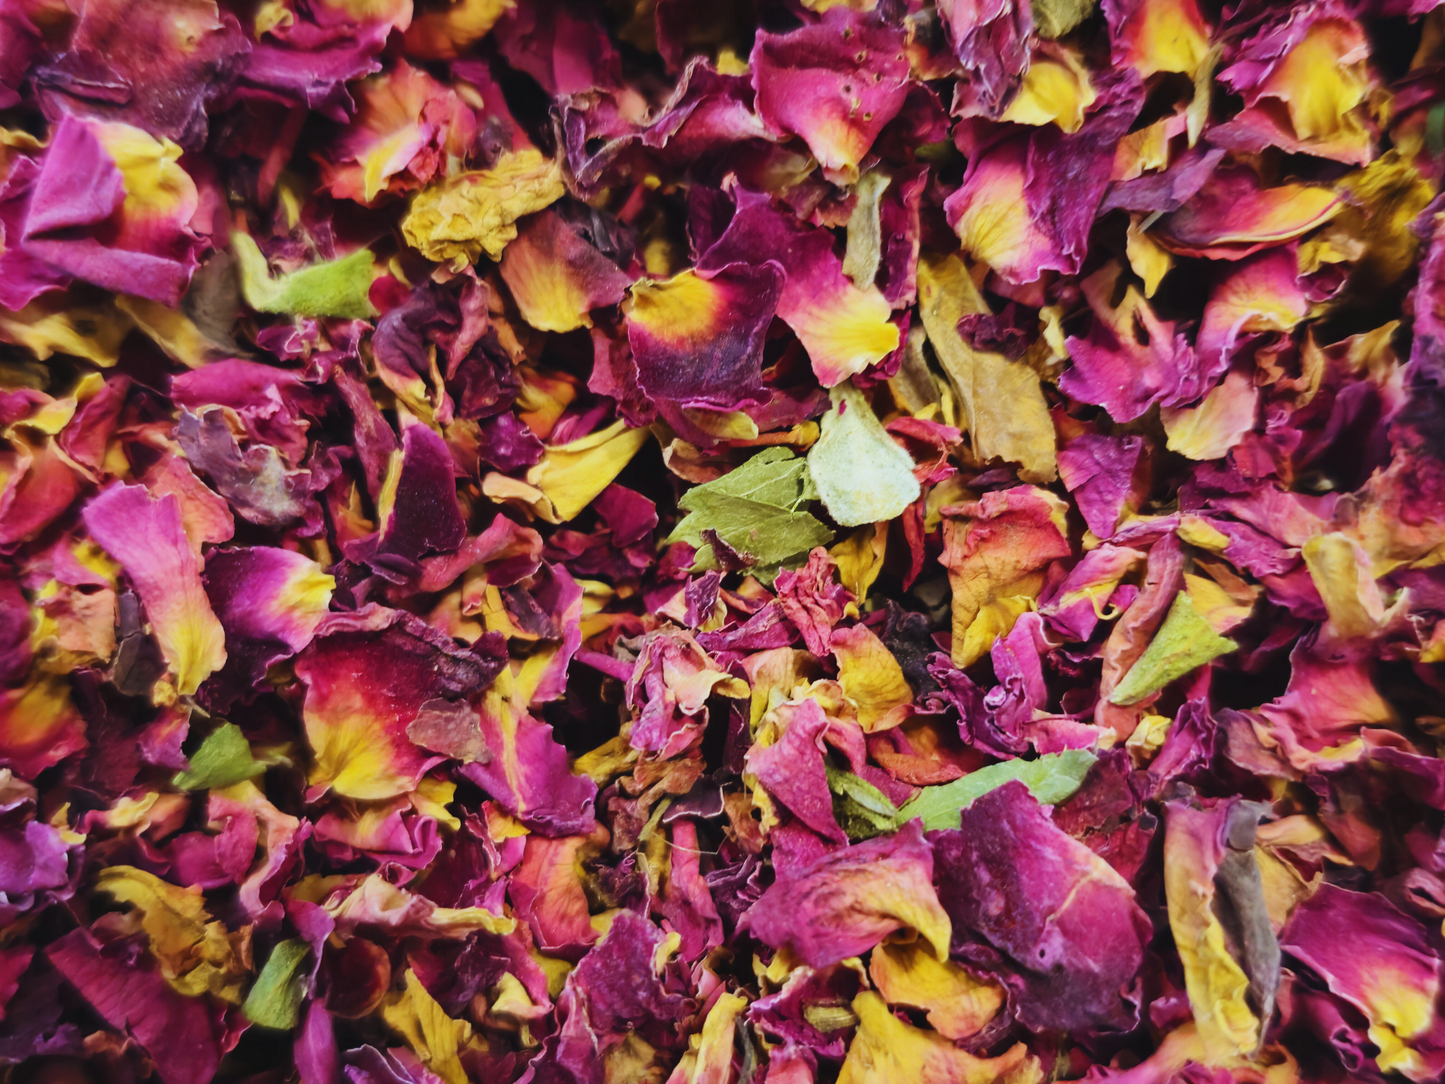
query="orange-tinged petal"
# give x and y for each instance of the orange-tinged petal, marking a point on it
(995, 550)
(39, 726)
(1162, 36)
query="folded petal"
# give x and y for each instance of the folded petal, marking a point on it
(113, 207)
(270, 602)
(848, 900)
(844, 329)
(1068, 935)
(145, 535)
(368, 676)
(556, 277)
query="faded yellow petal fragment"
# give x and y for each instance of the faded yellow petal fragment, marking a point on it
(1147, 258)
(1216, 984)
(156, 187)
(1322, 80)
(683, 309)
(1217, 424)
(859, 557)
(958, 1005)
(885, 1050)
(844, 330)
(871, 678)
(715, 1053)
(448, 30)
(1340, 569)
(572, 475)
(52, 325)
(1003, 403)
(1055, 90)
(458, 219)
(434, 1037)
(172, 331)
(196, 955)
(1166, 36)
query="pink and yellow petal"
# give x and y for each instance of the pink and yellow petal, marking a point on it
(368, 676)
(1159, 35)
(1234, 216)
(556, 277)
(990, 213)
(146, 536)
(697, 338)
(407, 126)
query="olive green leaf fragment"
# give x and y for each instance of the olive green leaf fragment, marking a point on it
(336, 288)
(223, 760)
(275, 1000)
(1185, 642)
(861, 809)
(756, 510)
(1050, 779)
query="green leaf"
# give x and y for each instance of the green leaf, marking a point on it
(338, 288)
(223, 759)
(1051, 778)
(862, 475)
(861, 809)
(756, 510)
(275, 1000)
(1185, 642)
(1055, 18)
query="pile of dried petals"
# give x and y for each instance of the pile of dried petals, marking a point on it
(730, 542)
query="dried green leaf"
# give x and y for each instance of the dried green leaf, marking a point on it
(861, 809)
(1185, 642)
(275, 1000)
(1051, 778)
(1055, 18)
(865, 230)
(223, 760)
(338, 288)
(756, 510)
